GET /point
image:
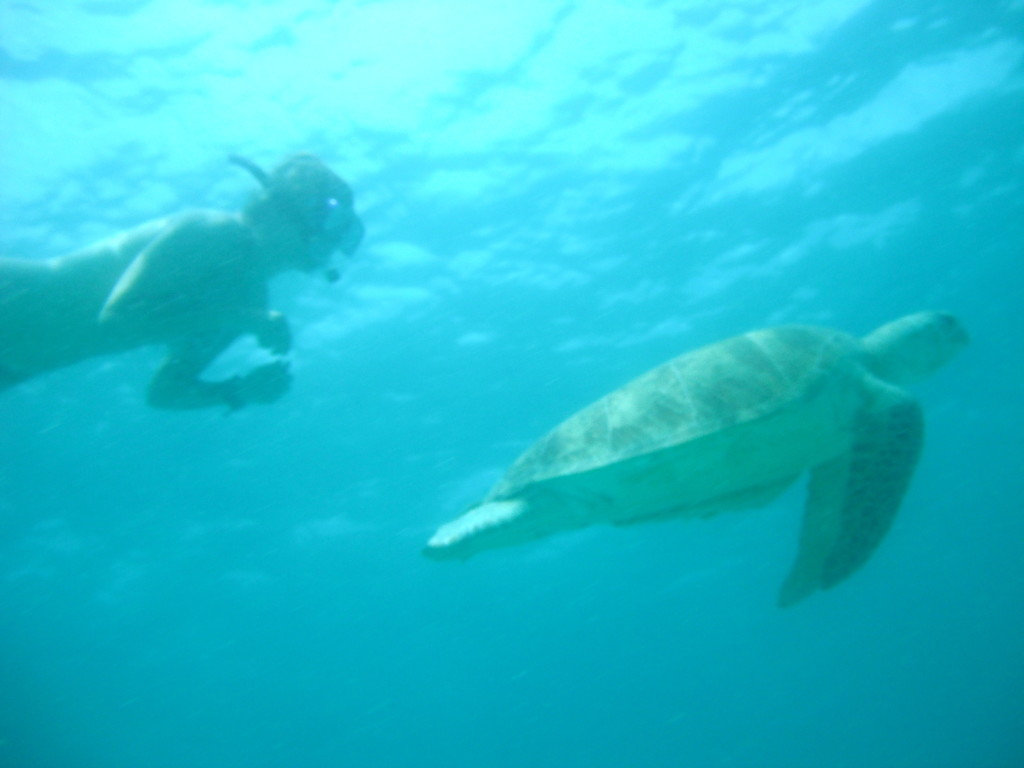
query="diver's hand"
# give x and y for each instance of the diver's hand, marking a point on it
(265, 384)
(274, 334)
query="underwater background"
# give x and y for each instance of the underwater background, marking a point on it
(558, 196)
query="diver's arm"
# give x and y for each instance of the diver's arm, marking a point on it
(176, 384)
(272, 332)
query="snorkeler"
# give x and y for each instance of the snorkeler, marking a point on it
(195, 282)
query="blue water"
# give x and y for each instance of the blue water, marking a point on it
(558, 196)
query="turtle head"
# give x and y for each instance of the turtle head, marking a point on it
(315, 203)
(915, 346)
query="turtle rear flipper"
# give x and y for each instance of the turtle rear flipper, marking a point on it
(490, 524)
(852, 500)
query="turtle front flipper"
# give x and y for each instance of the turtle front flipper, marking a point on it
(853, 499)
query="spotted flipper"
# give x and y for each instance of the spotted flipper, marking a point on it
(853, 499)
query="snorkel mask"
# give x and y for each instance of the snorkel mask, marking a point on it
(317, 200)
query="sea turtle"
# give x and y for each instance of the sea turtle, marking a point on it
(731, 426)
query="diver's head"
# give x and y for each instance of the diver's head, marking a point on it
(315, 200)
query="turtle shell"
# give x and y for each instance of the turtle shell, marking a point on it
(700, 393)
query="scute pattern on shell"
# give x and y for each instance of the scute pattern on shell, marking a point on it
(699, 393)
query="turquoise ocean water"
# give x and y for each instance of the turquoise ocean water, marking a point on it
(558, 196)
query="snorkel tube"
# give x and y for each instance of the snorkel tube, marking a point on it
(251, 167)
